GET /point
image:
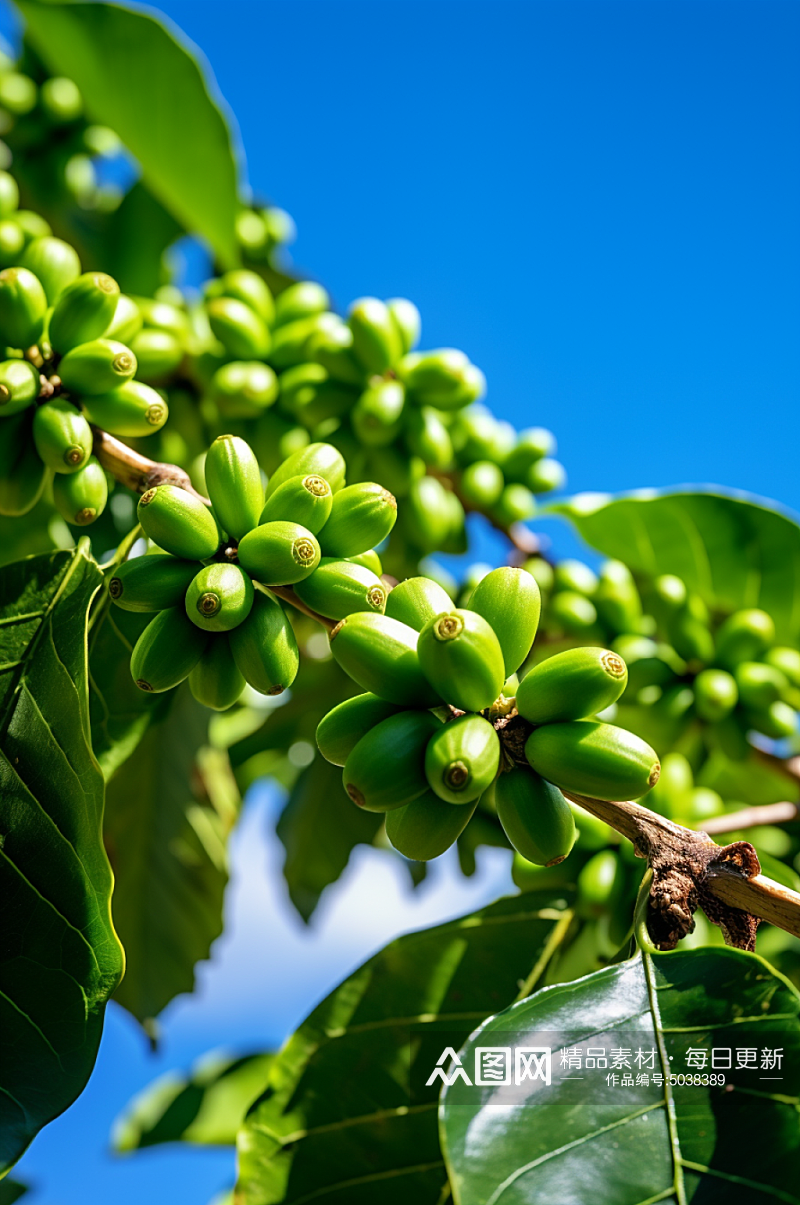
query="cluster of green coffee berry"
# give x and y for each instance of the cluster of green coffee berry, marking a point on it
(65, 370)
(446, 723)
(208, 576)
(43, 123)
(687, 667)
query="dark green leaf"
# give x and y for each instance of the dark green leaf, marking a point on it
(11, 1191)
(206, 1107)
(338, 1122)
(139, 78)
(579, 1141)
(120, 712)
(733, 552)
(130, 242)
(319, 829)
(59, 956)
(168, 850)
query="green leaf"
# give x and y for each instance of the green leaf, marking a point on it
(11, 1191)
(168, 848)
(59, 956)
(337, 1121)
(130, 242)
(146, 81)
(582, 1140)
(319, 829)
(205, 1107)
(734, 552)
(120, 712)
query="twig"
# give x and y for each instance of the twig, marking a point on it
(135, 471)
(767, 813)
(663, 842)
(288, 595)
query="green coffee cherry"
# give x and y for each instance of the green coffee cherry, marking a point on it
(84, 310)
(777, 721)
(744, 636)
(380, 654)
(19, 386)
(716, 694)
(531, 445)
(241, 331)
(243, 389)
(407, 322)
(572, 612)
(462, 659)
(669, 596)
(570, 685)
(370, 560)
(462, 759)
(158, 354)
(671, 796)
(54, 263)
(304, 499)
(318, 458)
(233, 480)
(22, 474)
(338, 588)
(427, 827)
(216, 681)
(510, 602)
(361, 516)
(617, 599)
(332, 348)
(81, 497)
(9, 194)
(62, 436)
(759, 685)
(342, 728)
(97, 367)
(437, 372)
(130, 410)
(12, 241)
(127, 320)
(312, 397)
(600, 883)
(17, 92)
(482, 484)
(377, 416)
(61, 99)
(167, 651)
(787, 660)
(594, 759)
(428, 437)
(386, 769)
(417, 600)
(535, 816)
(264, 647)
(279, 553)
(515, 505)
(377, 342)
(575, 577)
(689, 630)
(426, 518)
(151, 583)
(703, 805)
(32, 224)
(545, 475)
(542, 573)
(178, 522)
(477, 435)
(248, 288)
(23, 306)
(292, 343)
(301, 300)
(219, 598)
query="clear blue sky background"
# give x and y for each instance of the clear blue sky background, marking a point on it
(599, 202)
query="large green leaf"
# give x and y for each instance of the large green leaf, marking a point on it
(169, 814)
(732, 551)
(146, 81)
(59, 956)
(320, 828)
(11, 1191)
(205, 1108)
(338, 1121)
(129, 243)
(580, 1141)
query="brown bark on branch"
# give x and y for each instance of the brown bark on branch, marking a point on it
(691, 870)
(767, 813)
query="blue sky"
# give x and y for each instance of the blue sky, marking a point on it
(599, 202)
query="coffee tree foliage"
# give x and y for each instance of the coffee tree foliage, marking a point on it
(221, 514)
